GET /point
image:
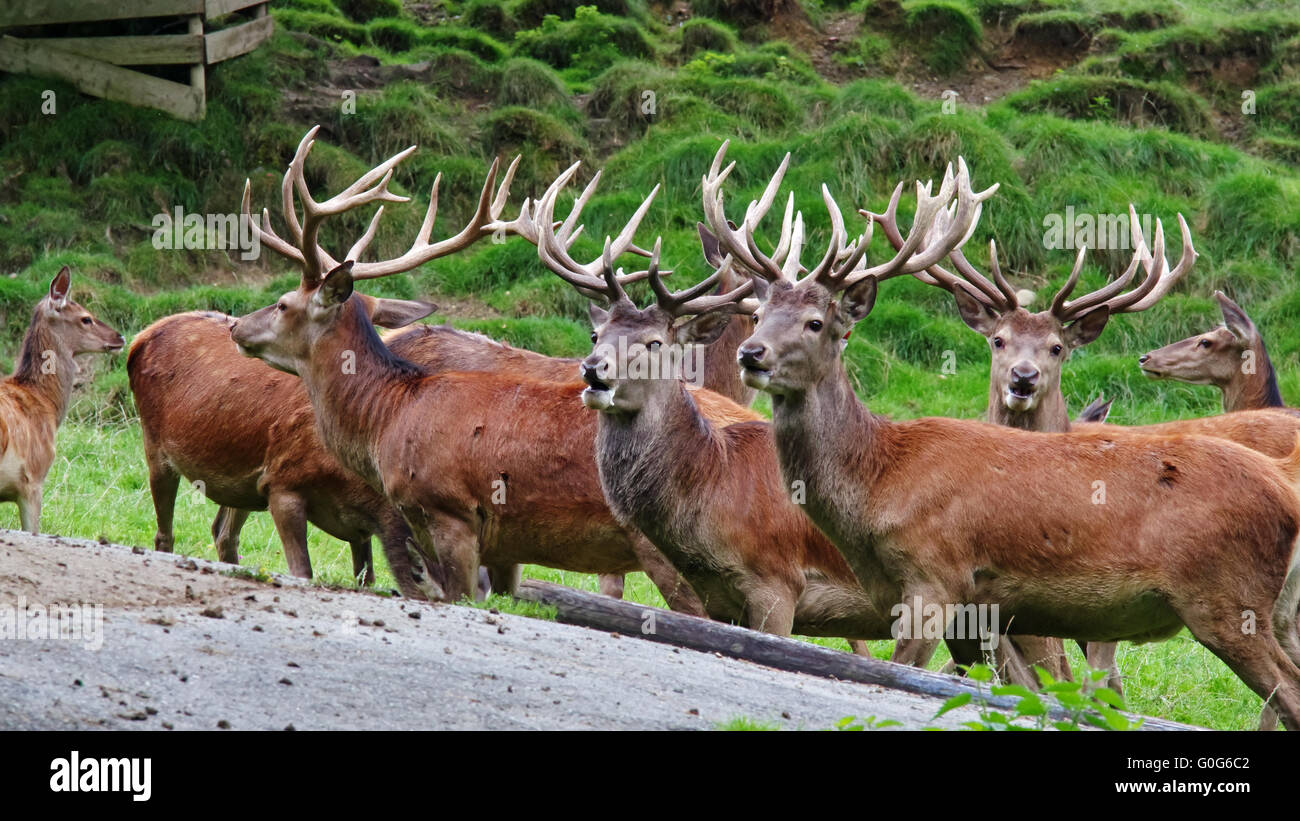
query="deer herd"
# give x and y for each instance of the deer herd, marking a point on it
(469, 458)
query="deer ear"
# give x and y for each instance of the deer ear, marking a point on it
(709, 243)
(1235, 319)
(978, 317)
(598, 315)
(398, 313)
(702, 329)
(1097, 411)
(1087, 327)
(59, 287)
(336, 288)
(859, 299)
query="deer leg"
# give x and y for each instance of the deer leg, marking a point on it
(505, 578)
(1258, 660)
(404, 560)
(451, 545)
(163, 482)
(289, 512)
(225, 533)
(1012, 665)
(859, 648)
(676, 591)
(611, 584)
(1101, 656)
(363, 561)
(915, 652)
(770, 611)
(1034, 651)
(29, 509)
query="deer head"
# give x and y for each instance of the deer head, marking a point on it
(635, 349)
(73, 329)
(1232, 357)
(1212, 358)
(284, 334)
(1028, 349)
(803, 320)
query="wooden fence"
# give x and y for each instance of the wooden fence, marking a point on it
(98, 65)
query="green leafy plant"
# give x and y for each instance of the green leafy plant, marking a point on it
(856, 724)
(1088, 702)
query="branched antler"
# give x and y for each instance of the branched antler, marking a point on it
(1000, 297)
(599, 279)
(304, 246)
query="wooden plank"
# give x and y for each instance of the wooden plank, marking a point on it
(40, 12)
(152, 50)
(100, 79)
(217, 8)
(198, 71)
(608, 614)
(241, 39)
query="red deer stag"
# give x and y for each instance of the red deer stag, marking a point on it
(1230, 357)
(743, 545)
(34, 398)
(1188, 530)
(1028, 351)
(479, 464)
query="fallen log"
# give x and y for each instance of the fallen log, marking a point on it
(598, 612)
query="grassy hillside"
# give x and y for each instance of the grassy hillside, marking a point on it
(1187, 107)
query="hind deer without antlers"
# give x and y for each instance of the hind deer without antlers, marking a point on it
(1231, 357)
(34, 399)
(1193, 531)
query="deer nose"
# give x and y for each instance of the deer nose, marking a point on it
(591, 374)
(1024, 374)
(751, 356)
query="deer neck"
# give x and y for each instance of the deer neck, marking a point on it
(355, 384)
(1253, 391)
(642, 470)
(831, 445)
(1048, 416)
(46, 367)
(721, 375)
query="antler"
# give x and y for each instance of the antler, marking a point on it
(1001, 297)
(738, 240)
(1157, 282)
(599, 279)
(997, 295)
(372, 186)
(936, 229)
(596, 279)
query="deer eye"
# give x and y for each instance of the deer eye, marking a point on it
(593, 336)
(1056, 350)
(281, 307)
(755, 316)
(997, 342)
(85, 320)
(1205, 343)
(654, 346)
(815, 325)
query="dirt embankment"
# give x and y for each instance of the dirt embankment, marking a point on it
(185, 645)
